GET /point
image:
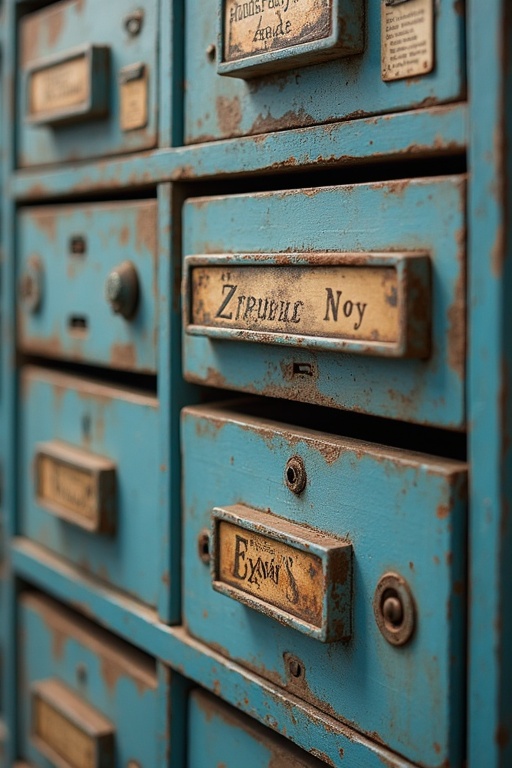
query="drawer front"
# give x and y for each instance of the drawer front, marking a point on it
(87, 280)
(89, 463)
(86, 698)
(401, 597)
(229, 735)
(265, 69)
(88, 81)
(350, 297)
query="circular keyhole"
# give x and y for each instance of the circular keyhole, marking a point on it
(203, 546)
(295, 474)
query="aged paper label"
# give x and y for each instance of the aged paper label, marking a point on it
(59, 87)
(338, 302)
(68, 487)
(134, 104)
(259, 26)
(407, 38)
(63, 737)
(276, 573)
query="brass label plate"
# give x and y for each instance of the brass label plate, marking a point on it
(407, 38)
(67, 730)
(62, 86)
(271, 571)
(77, 486)
(338, 302)
(67, 486)
(259, 26)
(134, 104)
(62, 736)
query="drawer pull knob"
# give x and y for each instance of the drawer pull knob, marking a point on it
(122, 290)
(295, 475)
(394, 609)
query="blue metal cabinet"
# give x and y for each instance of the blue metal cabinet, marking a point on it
(85, 696)
(88, 84)
(219, 735)
(89, 478)
(222, 45)
(402, 513)
(235, 241)
(88, 283)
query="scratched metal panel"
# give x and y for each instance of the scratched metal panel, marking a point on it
(424, 215)
(403, 512)
(218, 107)
(219, 735)
(72, 283)
(110, 422)
(109, 675)
(54, 32)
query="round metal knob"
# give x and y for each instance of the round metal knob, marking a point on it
(295, 475)
(394, 608)
(122, 289)
(31, 285)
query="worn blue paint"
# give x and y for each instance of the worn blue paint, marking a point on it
(411, 215)
(75, 24)
(345, 88)
(84, 660)
(73, 285)
(385, 503)
(121, 426)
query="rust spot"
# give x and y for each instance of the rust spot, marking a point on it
(110, 672)
(58, 643)
(55, 22)
(502, 736)
(443, 511)
(267, 123)
(229, 115)
(124, 236)
(457, 315)
(123, 355)
(46, 222)
(146, 228)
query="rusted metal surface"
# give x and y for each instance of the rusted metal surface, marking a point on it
(291, 573)
(364, 303)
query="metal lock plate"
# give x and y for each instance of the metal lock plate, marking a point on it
(352, 297)
(403, 513)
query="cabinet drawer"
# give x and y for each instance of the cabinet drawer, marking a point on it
(261, 66)
(360, 637)
(350, 297)
(87, 277)
(229, 735)
(88, 81)
(89, 463)
(86, 697)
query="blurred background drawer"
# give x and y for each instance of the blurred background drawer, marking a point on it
(86, 697)
(351, 297)
(90, 471)
(88, 81)
(87, 278)
(219, 735)
(395, 615)
(260, 66)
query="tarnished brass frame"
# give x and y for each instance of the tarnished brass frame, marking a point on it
(335, 556)
(414, 299)
(97, 58)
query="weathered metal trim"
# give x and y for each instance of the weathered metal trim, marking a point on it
(413, 296)
(333, 555)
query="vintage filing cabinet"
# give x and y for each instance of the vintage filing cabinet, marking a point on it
(285, 271)
(269, 65)
(88, 283)
(87, 697)
(88, 81)
(87, 493)
(311, 538)
(304, 203)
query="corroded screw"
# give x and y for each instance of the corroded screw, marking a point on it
(295, 474)
(133, 22)
(294, 667)
(122, 289)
